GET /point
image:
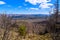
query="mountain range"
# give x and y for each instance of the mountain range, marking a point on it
(31, 16)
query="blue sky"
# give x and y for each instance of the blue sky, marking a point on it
(26, 6)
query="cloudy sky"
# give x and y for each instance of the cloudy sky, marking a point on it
(26, 6)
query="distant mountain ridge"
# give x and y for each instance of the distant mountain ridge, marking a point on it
(28, 16)
(31, 16)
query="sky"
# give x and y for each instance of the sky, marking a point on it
(26, 6)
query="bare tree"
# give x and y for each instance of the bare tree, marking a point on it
(5, 22)
(53, 20)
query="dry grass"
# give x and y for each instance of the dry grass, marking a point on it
(14, 36)
(1, 33)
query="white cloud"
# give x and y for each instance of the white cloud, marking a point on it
(34, 8)
(31, 1)
(2, 2)
(43, 3)
(34, 2)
